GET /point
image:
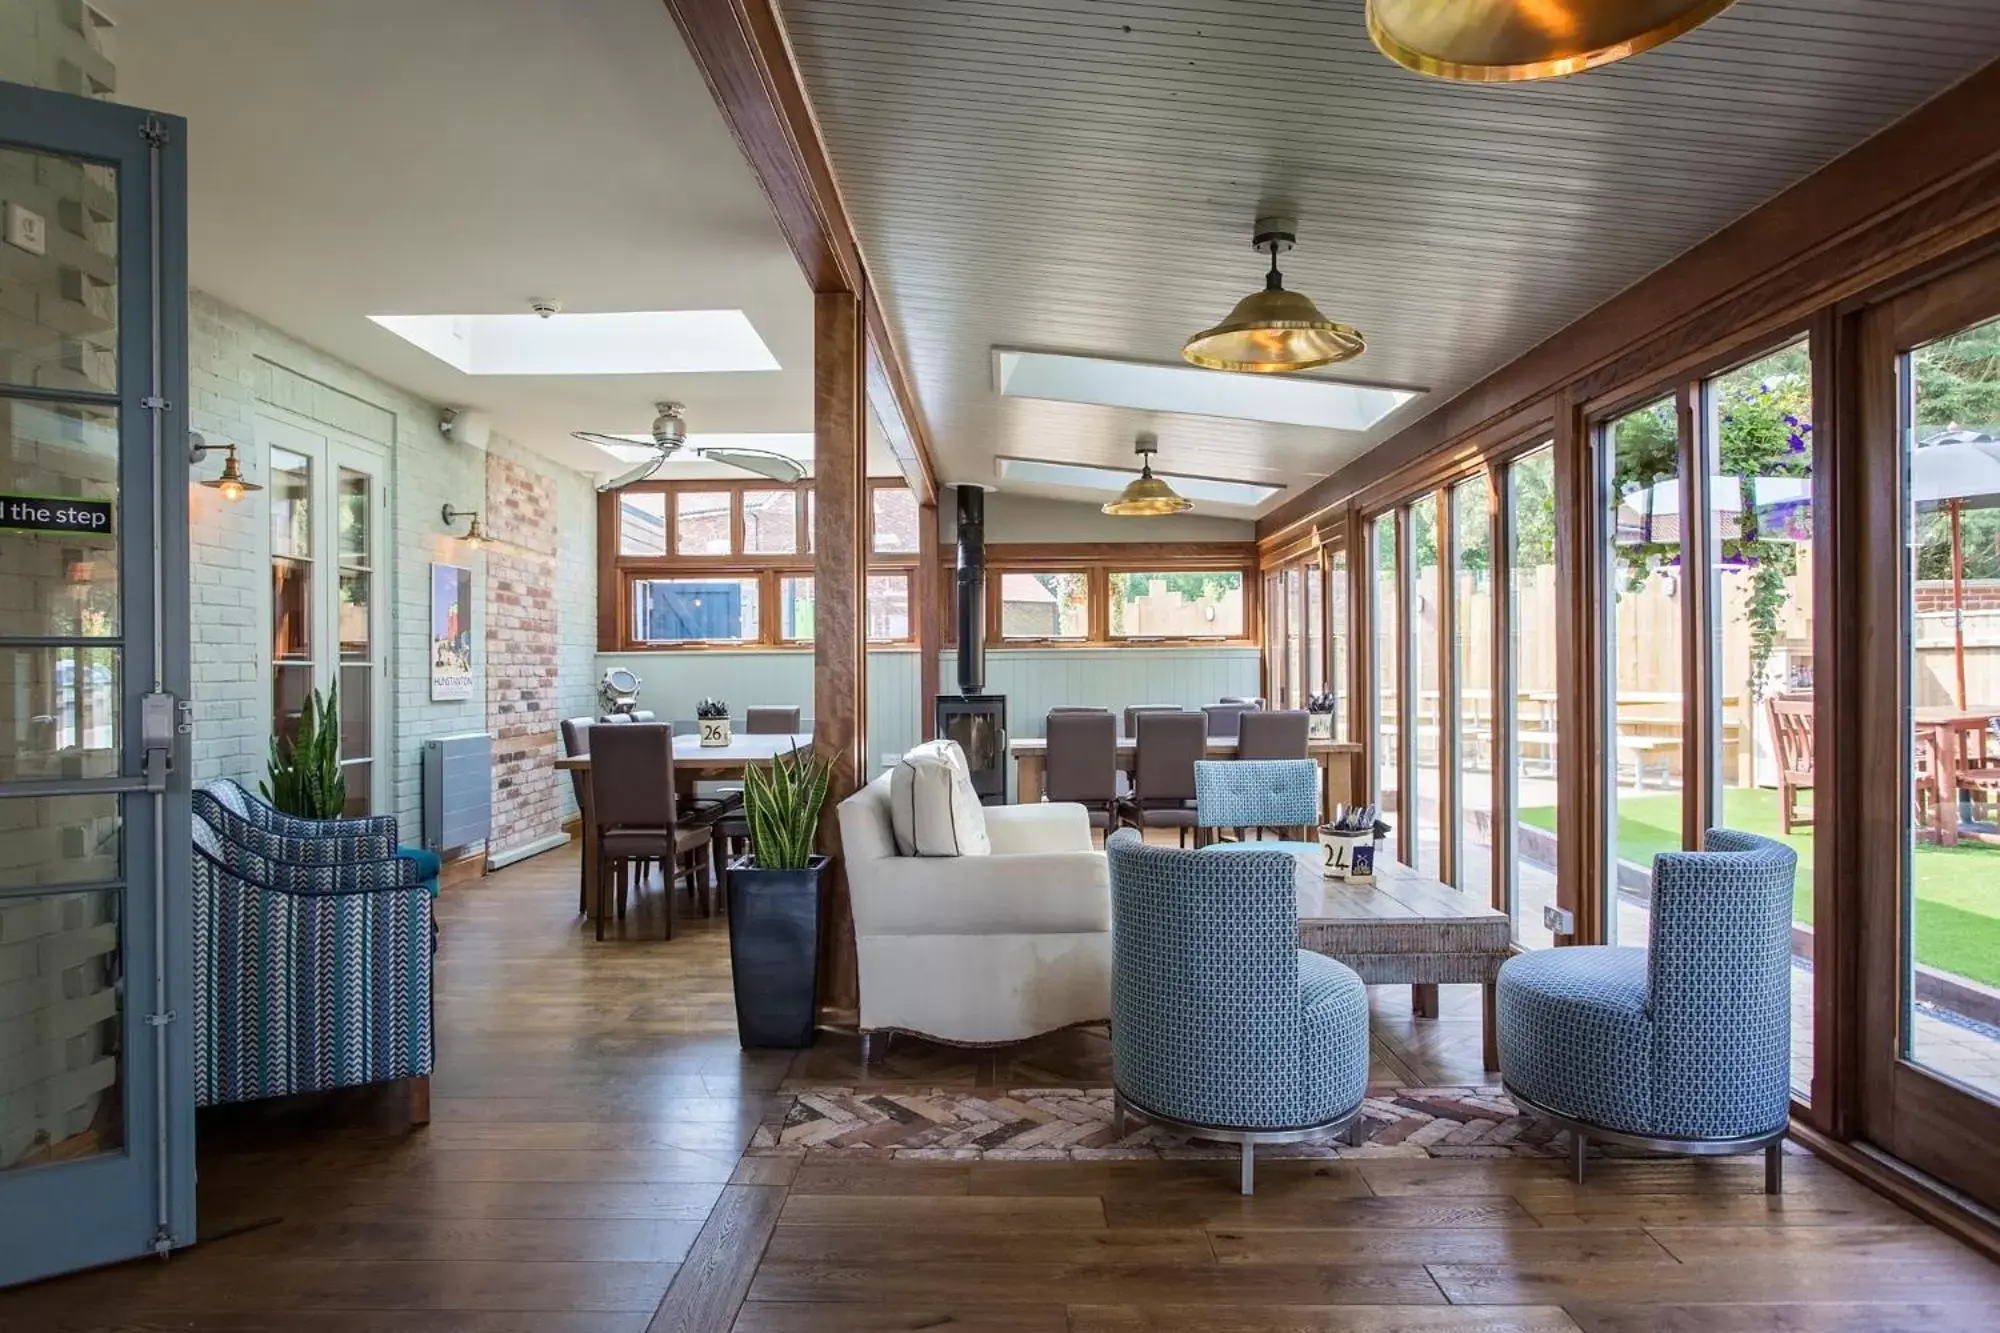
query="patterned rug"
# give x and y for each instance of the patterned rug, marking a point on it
(1074, 1124)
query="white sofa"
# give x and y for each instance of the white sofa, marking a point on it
(977, 950)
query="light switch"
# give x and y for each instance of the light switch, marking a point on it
(26, 230)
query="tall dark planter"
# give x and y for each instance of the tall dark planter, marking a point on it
(774, 952)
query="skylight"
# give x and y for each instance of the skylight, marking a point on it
(1290, 400)
(637, 342)
(1080, 476)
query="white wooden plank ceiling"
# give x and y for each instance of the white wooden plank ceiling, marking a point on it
(1083, 177)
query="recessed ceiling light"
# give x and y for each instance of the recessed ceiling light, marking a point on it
(1288, 400)
(1083, 477)
(636, 342)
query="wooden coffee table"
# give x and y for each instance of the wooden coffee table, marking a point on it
(1407, 928)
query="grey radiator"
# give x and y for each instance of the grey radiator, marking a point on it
(458, 790)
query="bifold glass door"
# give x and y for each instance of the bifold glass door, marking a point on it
(96, 1112)
(1931, 744)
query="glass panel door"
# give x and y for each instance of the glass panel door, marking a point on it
(1930, 764)
(1535, 662)
(1472, 662)
(1640, 460)
(96, 1141)
(1424, 811)
(1386, 616)
(355, 633)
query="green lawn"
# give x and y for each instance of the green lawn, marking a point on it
(1958, 888)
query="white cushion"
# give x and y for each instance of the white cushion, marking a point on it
(932, 806)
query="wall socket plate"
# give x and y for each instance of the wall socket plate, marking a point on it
(1559, 920)
(26, 230)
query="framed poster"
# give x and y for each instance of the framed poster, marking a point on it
(451, 632)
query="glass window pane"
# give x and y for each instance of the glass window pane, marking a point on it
(58, 583)
(59, 309)
(795, 607)
(1643, 569)
(812, 515)
(1760, 580)
(356, 520)
(694, 609)
(1952, 626)
(1472, 664)
(896, 512)
(1044, 606)
(60, 1067)
(59, 714)
(291, 505)
(1387, 617)
(1337, 681)
(770, 522)
(1315, 677)
(642, 523)
(1193, 605)
(701, 523)
(1532, 651)
(1295, 639)
(53, 840)
(1423, 810)
(888, 608)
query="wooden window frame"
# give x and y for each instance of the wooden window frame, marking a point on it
(1097, 561)
(617, 573)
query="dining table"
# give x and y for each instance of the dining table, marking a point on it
(1943, 729)
(1341, 780)
(693, 762)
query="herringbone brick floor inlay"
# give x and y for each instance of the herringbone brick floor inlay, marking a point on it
(1075, 1124)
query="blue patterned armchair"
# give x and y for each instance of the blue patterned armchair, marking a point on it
(1221, 1026)
(1683, 1046)
(313, 948)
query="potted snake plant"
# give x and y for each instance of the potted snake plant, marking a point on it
(774, 903)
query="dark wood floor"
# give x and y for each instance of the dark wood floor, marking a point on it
(582, 1175)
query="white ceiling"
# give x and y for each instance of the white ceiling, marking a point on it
(359, 157)
(1040, 174)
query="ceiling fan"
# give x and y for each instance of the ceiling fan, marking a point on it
(670, 436)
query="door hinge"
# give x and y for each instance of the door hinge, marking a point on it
(163, 1242)
(154, 131)
(152, 402)
(162, 1020)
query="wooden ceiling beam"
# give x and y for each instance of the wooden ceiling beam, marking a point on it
(1788, 248)
(746, 59)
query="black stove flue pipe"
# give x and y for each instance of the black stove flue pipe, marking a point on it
(971, 590)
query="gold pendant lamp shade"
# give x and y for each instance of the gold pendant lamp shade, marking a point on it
(1509, 41)
(1147, 494)
(1273, 331)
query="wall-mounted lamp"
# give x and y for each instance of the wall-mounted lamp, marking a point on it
(475, 536)
(231, 482)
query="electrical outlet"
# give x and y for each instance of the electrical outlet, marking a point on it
(26, 230)
(1559, 920)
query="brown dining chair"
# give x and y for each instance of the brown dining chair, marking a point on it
(576, 741)
(616, 719)
(1132, 715)
(1223, 719)
(1081, 763)
(1275, 734)
(1253, 700)
(633, 809)
(1169, 744)
(771, 720)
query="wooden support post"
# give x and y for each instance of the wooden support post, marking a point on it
(840, 656)
(930, 618)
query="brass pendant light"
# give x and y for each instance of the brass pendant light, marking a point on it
(1274, 331)
(1147, 494)
(1508, 41)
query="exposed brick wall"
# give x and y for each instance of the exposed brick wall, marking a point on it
(521, 653)
(1980, 595)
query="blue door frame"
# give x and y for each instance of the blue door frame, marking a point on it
(133, 1192)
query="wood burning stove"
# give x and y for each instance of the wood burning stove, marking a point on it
(973, 718)
(978, 722)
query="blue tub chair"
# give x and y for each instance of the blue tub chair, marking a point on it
(313, 953)
(1683, 1046)
(1221, 1026)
